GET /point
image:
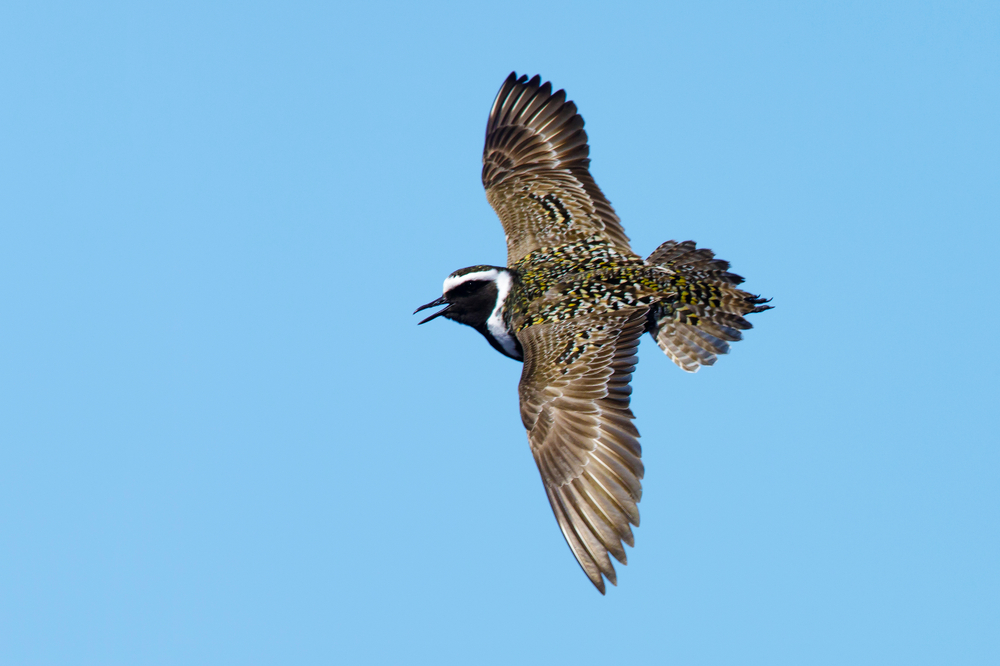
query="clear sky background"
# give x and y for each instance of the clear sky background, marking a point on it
(224, 440)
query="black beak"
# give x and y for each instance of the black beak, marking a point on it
(440, 301)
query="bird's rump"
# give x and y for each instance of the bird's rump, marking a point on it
(707, 311)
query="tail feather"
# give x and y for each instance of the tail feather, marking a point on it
(708, 310)
(697, 262)
(688, 346)
(678, 348)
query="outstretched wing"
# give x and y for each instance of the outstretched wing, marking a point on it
(535, 170)
(575, 405)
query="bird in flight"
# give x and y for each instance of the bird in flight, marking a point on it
(571, 304)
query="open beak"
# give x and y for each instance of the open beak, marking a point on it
(440, 301)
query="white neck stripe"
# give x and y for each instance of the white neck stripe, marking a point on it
(497, 328)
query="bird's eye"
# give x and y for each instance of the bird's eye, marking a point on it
(465, 289)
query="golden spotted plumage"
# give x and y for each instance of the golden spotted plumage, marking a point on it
(572, 303)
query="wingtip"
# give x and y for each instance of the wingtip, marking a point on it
(599, 584)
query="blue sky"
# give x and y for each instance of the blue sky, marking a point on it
(224, 439)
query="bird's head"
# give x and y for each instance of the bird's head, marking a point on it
(471, 295)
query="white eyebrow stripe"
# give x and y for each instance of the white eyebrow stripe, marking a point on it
(453, 281)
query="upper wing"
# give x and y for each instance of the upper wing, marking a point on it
(575, 405)
(535, 171)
